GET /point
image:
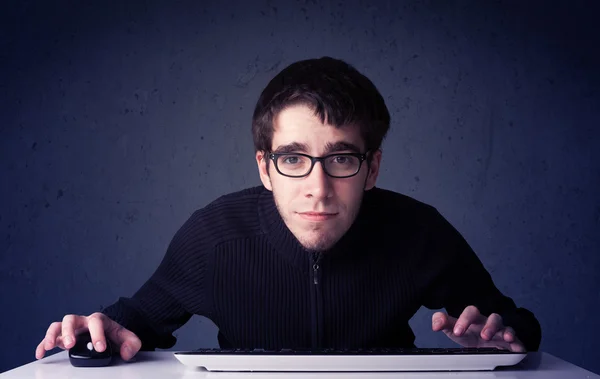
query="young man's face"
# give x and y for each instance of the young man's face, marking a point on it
(317, 208)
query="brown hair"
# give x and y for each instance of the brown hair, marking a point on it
(335, 90)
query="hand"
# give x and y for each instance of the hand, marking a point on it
(63, 334)
(472, 329)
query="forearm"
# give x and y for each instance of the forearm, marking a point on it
(177, 289)
(124, 312)
(458, 279)
(151, 315)
(155, 311)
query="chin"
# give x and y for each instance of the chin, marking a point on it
(318, 243)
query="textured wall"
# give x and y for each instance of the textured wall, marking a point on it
(118, 120)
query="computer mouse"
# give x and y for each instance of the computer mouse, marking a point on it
(83, 354)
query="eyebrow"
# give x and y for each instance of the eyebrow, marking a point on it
(341, 146)
(296, 147)
(293, 147)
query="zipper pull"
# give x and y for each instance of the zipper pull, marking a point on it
(316, 257)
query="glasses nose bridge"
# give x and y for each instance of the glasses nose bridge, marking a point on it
(314, 161)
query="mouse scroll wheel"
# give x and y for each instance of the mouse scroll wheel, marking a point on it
(90, 346)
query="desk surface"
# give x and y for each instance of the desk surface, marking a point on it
(164, 365)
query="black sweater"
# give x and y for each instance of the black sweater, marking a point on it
(235, 262)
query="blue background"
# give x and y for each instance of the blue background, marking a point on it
(118, 120)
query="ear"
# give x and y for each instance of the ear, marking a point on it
(373, 170)
(263, 169)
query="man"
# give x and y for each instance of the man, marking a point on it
(318, 256)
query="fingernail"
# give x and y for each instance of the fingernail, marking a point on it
(127, 351)
(437, 322)
(458, 330)
(99, 346)
(68, 341)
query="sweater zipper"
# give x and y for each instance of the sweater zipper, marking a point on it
(316, 296)
(315, 270)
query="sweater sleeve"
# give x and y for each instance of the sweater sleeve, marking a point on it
(457, 279)
(175, 291)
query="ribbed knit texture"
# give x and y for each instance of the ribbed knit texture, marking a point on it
(237, 263)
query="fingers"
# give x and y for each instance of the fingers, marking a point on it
(52, 339)
(514, 343)
(482, 331)
(69, 324)
(507, 337)
(51, 334)
(95, 323)
(517, 347)
(469, 316)
(492, 326)
(509, 334)
(40, 350)
(125, 340)
(442, 321)
(102, 330)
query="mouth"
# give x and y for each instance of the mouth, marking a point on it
(317, 216)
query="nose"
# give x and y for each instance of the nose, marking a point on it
(318, 183)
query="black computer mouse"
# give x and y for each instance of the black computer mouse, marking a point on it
(83, 354)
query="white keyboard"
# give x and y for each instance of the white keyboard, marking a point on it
(362, 360)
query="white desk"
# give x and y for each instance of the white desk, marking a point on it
(163, 365)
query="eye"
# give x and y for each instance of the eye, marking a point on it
(343, 160)
(291, 159)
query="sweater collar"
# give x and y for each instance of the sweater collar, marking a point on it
(284, 241)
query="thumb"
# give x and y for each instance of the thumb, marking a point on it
(124, 339)
(442, 321)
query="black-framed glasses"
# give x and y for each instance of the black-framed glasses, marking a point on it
(298, 165)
